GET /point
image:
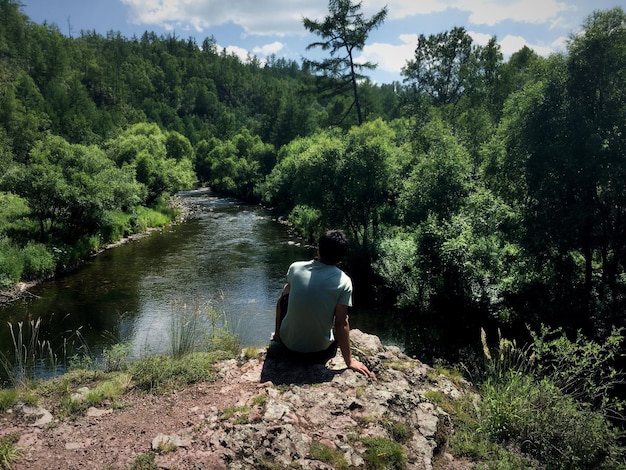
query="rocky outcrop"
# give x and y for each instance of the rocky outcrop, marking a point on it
(300, 406)
(261, 413)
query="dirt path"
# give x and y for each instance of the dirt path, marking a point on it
(115, 438)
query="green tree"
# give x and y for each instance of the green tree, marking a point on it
(346, 179)
(178, 147)
(441, 66)
(145, 148)
(343, 32)
(69, 188)
(558, 155)
(440, 177)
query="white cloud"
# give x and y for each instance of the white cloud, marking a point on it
(235, 50)
(483, 12)
(511, 44)
(398, 9)
(269, 49)
(480, 39)
(284, 17)
(560, 43)
(267, 17)
(491, 12)
(390, 57)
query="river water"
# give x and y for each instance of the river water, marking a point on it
(229, 255)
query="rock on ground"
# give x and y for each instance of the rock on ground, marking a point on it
(262, 412)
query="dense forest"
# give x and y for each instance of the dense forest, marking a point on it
(479, 193)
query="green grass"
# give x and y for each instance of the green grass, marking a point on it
(11, 263)
(259, 400)
(154, 374)
(108, 387)
(397, 430)
(9, 452)
(384, 454)
(544, 423)
(237, 412)
(325, 454)
(187, 328)
(469, 440)
(29, 351)
(145, 462)
(200, 327)
(158, 374)
(518, 419)
(146, 217)
(7, 398)
(116, 356)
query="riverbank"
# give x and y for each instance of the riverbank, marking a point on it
(258, 413)
(21, 290)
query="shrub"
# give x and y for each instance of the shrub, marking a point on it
(82, 248)
(116, 226)
(307, 221)
(582, 368)
(547, 424)
(116, 356)
(11, 264)
(38, 262)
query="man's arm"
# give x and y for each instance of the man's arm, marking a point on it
(280, 314)
(342, 333)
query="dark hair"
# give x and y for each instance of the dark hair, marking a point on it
(333, 245)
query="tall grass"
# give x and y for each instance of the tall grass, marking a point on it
(11, 264)
(186, 328)
(527, 402)
(33, 356)
(200, 335)
(201, 327)
(29, 352)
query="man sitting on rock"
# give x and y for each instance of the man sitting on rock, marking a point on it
(312, 310)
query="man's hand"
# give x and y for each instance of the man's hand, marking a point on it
(362, 368)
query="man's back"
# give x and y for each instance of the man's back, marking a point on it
(315, 290)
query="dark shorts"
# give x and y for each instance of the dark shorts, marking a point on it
(278, 349)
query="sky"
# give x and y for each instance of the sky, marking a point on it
(265, 27)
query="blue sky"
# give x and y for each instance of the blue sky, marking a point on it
(264, 27)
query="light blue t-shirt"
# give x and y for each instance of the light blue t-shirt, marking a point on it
(315, 289)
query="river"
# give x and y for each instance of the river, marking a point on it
(229, 255)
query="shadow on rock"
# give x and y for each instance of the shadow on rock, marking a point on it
(282, 370)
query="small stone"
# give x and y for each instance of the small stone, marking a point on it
(162, 441)
(96, 412)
